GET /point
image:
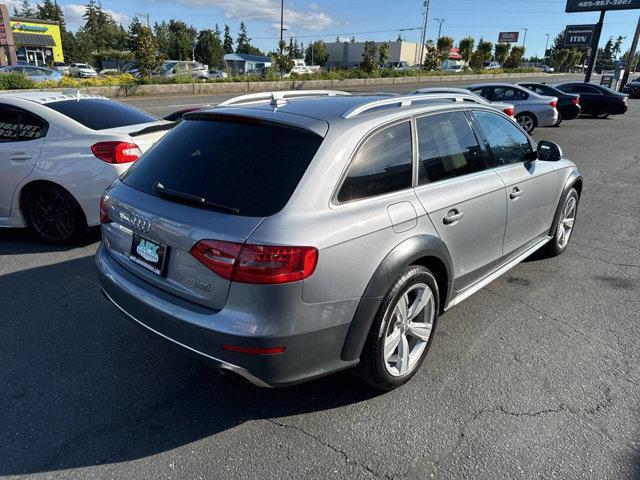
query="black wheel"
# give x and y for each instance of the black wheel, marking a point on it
(557, 124)
(53, 215)
(527, 121)
(558, 244)
(402, 330)
(602, 115)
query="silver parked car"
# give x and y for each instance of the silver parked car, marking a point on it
(319, 231)
(531, 109)
(197, 70)
(507, 108)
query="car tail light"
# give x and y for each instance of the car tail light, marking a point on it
(575, 101)
(509, 111)
(553, 103)
(254, 350)
(104, 212)
(258, 264)
(116, 152)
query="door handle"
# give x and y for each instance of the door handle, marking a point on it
(515, 193)
(20, 156)
(452, 217)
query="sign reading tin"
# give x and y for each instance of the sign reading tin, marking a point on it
(579, 35)
(597, 5)
(508, 37)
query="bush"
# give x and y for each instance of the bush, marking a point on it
(13, 81)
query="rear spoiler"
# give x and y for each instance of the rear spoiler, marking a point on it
(154, 128)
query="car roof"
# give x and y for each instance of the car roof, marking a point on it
(45, 97)
(497, 84)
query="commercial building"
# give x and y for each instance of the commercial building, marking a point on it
(37, 41)
(349, 54)
(241, 64)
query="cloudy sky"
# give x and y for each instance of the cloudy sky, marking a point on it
(367, 20)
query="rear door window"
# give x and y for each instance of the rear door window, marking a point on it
(447, 147)
(101, 113)
(507, 142)
(17, 125)
(246, 164)
(382, 165)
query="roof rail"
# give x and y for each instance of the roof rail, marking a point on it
(407, 101)
(279, 98)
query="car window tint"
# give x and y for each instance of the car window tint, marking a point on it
(507, 142)
(448, 147)
(250, 165)
(17, 125)
(586, 89)
(382, 165)
(101, 113)
(506, 93)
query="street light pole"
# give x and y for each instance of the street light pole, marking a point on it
(632, 53)
(423, 39)
(546, 46)
(524, 40)
(440, 21)
(281, 24)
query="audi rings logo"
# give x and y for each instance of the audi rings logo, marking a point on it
(136, 221)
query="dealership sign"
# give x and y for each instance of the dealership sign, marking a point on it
(579, 35)
(28, 28)
(596, 5)
(508, 37)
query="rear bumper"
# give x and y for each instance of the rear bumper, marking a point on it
(547, 117)
(193, 328)
(569, 112)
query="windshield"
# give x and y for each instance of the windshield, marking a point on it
(167, 66)
(244, 164)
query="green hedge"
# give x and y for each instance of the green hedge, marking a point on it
(14, 81)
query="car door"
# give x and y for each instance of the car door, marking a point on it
(530, 185)
(591, 98)
(21, 140)
(462, 194)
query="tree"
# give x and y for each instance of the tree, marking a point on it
(100, 32)
(369, 55)
(243, 43)
(227, 43)
(319, 51)
(431, 59)
(284, 62)
(444, 46)
(617, 47)
(24, 10)
(465, 48)
(180, 40)
(384, 53)
(146, 52)
(135, 29)
(559, 58)
(209, 48)
(514, 60)
(501, 51)
(50, 10)
(482, 54)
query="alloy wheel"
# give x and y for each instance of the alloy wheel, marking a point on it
(565, 226)
(51, 214)
(526, 122)
(408, 329)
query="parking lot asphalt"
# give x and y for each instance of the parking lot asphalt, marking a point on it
(164, 105)
(535, 376)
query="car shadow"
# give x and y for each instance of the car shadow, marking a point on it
(17, 241)
(83, 386)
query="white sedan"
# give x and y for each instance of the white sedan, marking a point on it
(82, 70)
(58, 153)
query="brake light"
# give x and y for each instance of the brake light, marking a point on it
(553, 103)
(575, 101)
(116, 152)
(509, 111)
(257, 264)
(104, 211)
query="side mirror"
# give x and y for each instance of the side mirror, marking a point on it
(548, 151)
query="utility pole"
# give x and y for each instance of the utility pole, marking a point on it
(594, 48)
(440, 21)
(524, 40)
(546, 47)
(423, 39)
(632, 54)
(281, 25)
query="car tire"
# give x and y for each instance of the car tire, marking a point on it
(557, 124)
(601, 115)
(565, 226)
(53, 215)
(413, 296)
(527, 121)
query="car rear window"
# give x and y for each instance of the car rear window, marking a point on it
(101, 113)
(242, 163)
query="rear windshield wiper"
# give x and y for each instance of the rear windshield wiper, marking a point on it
(191, 199)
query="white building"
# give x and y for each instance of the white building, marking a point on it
(349, 54)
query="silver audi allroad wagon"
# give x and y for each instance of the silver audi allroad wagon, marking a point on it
(285, 236)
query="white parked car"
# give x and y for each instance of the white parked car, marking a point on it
(82, 70)
(58, 153)
(547, 69)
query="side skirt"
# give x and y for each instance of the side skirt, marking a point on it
(497, 273)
